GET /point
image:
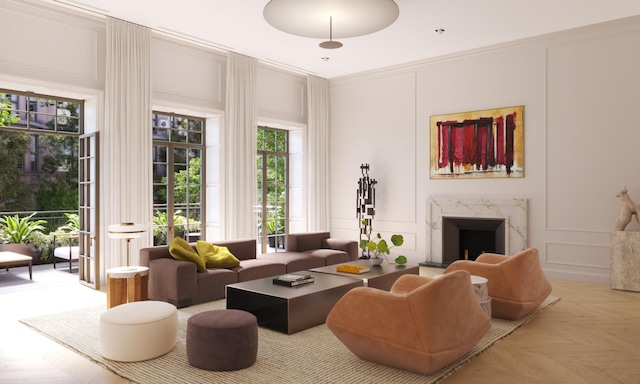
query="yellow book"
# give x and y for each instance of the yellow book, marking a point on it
(352, 268)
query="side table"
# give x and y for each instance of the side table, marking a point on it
(126, 284)
(481, 291)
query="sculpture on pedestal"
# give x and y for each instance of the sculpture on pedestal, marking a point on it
(365, 205)
(629, 209)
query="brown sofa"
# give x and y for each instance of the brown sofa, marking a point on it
(517, 285)
(312, 250)
(179, 282)
(421, 325)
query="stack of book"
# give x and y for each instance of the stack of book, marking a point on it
(291, 280)
(352, 268)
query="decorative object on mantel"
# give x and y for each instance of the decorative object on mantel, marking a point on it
(625, 260)
(365, 205)
(629, 209)
(379, 251)
(478, 144)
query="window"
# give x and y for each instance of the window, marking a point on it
(39, 140)
(42, 113)
(178, 177)
(272, 211)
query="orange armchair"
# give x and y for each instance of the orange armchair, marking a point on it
(516, 283)
(421, 325)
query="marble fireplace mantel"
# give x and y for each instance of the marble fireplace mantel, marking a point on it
(512, 210)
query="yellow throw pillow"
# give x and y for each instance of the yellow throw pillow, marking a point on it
(181, 250)
(216, 256)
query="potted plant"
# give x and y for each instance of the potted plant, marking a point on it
(24, 236)
(271, 232)
(72, 225)
(160, 224)
(379, 249)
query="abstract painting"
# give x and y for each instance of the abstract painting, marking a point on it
(478, 144)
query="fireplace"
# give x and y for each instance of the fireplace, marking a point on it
(513, 211)
(465, 238)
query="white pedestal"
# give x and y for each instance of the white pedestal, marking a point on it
(625, 260)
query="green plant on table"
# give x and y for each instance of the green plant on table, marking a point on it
(378, 248)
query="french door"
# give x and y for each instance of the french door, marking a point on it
(88, 211)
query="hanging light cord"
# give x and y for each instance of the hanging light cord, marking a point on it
(330, 28)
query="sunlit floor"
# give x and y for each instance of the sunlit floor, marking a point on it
(25, 355)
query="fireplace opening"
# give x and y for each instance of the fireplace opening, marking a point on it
(466, 238)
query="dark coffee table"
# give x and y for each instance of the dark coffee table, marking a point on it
(290, 309)
(380, 276)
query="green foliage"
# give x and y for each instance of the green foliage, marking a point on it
(160, 223)
(380, 248)
(44, 243)
(17, 230)
(187, 183)
(14, 194)
(271, 227)
(59, 189)
(7, 117)
(180, 223)
(72, 224)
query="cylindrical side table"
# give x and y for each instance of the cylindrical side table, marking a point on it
(126, 284)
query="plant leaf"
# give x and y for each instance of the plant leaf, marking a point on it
(397, 240)
(383, 247)
(401, 260)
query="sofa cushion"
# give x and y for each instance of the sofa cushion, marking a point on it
(329, 256)
(216, 256)
(299, 242)
(181, 250)
(242, 249)
(295, 261)
(258, 268)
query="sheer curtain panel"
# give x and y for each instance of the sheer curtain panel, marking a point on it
(240, 148)
(317, 155)
(126, 139)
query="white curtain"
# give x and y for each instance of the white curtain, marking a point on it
(126, 140)
(317, 155)
(240, 148)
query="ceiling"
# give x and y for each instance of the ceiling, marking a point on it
(238, 26)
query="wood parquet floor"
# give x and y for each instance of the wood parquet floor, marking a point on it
(592, 335)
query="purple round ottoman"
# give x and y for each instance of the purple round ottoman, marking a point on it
(222, 340)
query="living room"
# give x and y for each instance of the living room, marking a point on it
(573, 86)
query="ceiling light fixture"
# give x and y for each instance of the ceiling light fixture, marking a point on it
(352, 18)
(330, 44)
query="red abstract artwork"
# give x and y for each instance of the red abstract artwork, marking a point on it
(478, 144)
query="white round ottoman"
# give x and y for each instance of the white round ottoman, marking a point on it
(138, 331)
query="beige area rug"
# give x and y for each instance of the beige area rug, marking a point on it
(311, 356)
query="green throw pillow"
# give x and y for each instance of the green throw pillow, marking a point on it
(181, 250)
(216, 256)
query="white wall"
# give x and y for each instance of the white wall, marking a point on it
(580, 95)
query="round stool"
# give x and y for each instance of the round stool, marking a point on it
(138, 331)
(222, 340)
